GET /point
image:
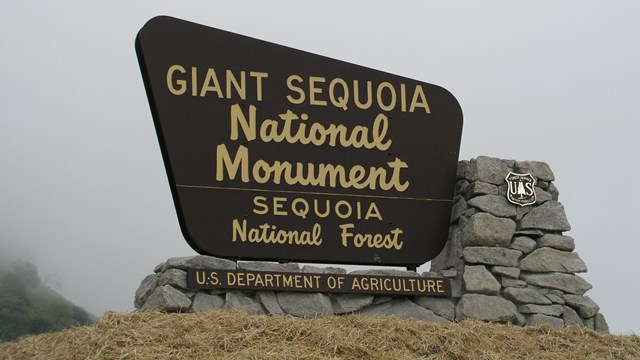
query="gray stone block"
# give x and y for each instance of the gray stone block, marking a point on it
(306, 305)
(488, 230)
(544, 185)
(477, 279)
(334, 270)
(542, 196)
(538, 169)
(553, 190)
(269, 301)
(509, 271)
(560, 242)
(384, 272)
(403, 308)
(555, 299)
(507, 282)
(551, 310)
(461, 169)
(158, 268)
(168, 299)
(478, 188)
(449, 273)
(548, 216)
(199, 262)
(145, 289)
(267, 266)
(456, 287)
(174, 277)
(452, 252)
(525, 296)
(589, 323)
(502, 191)
(381, 299)
(206, 302)
(600, 324)
(532, 233)
(491, 255)
(461, 187)
(487, 169)
(312, 269)
(583, 304)
(571, 318)
(523, 243)
(349, 303)
(326, 270)
(521, 211)
(546, 259)
(568, 283)
(467, 214)
(445, 307)
(458, 208)
(495, 205)
(485, 307)
(239, 301)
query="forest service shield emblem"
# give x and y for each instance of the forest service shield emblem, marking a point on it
(520, 189)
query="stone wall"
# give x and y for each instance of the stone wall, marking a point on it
(507, 263)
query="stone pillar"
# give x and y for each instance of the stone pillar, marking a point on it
(513, 263)
(507, 263)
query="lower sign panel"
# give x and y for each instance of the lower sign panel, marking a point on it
(322, 283)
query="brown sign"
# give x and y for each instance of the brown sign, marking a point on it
(273, 153)
(323, 283)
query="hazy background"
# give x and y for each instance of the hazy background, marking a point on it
(83, 191)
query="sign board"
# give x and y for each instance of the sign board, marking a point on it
(273, 153)
(321, 283)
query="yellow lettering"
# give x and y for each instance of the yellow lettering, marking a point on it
(248, 127)
(373, 212)
(270, 234)
(431, 286)
(356, 284)
(260, 202)
(277, 206)
(224, 162)
(240, 279)
(356, 98)
(182, 84)
(240, 87)
(340, 101)
(372, 241)
(392, 95)
(231, 279)
(295, 88)
(213, 278)
(419, 100)
(211, 84)
(259, 76)
(199, 280)
(268, 280)
(313, 90)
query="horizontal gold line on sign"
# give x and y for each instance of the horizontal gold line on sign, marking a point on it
(309, 193)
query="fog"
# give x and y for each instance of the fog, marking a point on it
(84, 194)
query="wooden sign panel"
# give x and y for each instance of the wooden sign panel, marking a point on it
(274, 153)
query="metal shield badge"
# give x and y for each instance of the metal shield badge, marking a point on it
(521, 189)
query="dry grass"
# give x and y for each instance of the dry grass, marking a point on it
(231, 335)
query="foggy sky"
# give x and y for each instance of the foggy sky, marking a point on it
(84, 193)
